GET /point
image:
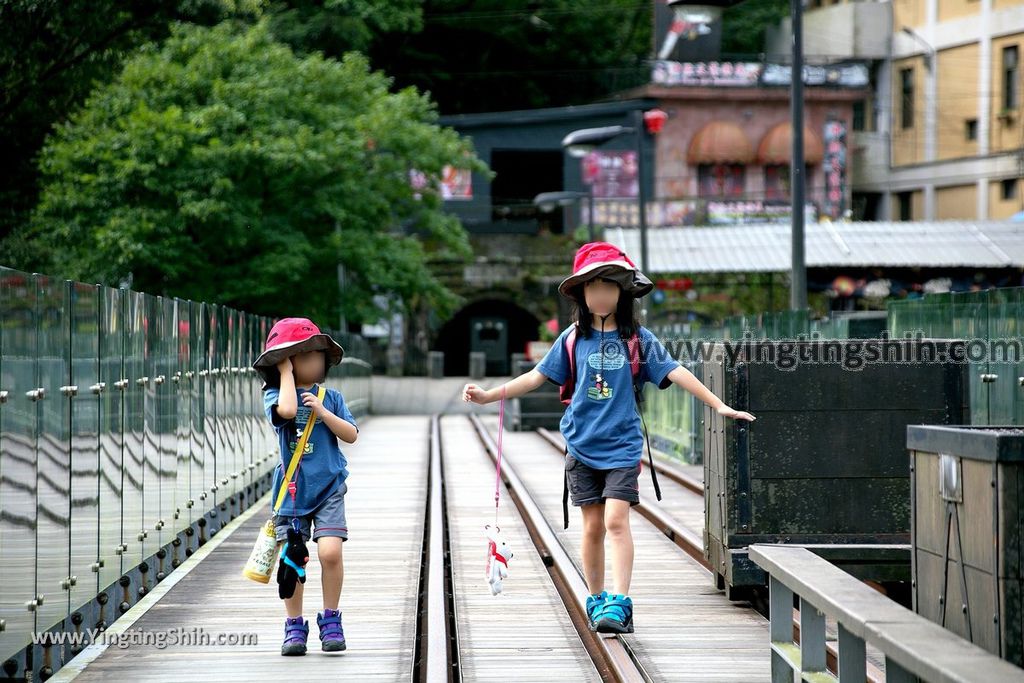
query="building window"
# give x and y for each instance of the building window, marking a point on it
(858, 115)
(777, 181)
(907, 98)
(906, 205)
(971, 129)
(1008, 189)
(1011, 87)
(520, 175)
(721, 181)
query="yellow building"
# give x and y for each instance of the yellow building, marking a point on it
(943, 135)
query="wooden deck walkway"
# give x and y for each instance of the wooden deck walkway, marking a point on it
(686, 630)
(385, 509)
(525, 633)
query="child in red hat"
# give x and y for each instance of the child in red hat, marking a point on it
(601, 424)
(294, 364)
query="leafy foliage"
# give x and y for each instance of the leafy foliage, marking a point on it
(223, 167)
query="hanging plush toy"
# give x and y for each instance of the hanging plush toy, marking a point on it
(291, 569)
(498, 555)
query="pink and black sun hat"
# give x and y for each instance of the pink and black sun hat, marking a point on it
(601, 259)
(291, 336)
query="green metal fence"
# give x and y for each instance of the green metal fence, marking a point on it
(991, 322)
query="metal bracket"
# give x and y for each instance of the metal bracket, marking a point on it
(69, 390)
(98, 388)
(988, 377)
(36, 394)
(3, 396)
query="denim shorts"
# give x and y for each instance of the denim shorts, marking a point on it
(328, 519)
(588, 485)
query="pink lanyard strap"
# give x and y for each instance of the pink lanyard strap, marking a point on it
(497, 477)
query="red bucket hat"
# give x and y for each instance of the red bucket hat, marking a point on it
(291, 336)
(601, 259)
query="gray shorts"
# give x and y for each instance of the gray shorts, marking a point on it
(328, 519)
(588, 485)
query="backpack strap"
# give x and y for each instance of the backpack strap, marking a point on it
(566, 391)
(635, 358)
(565, 494)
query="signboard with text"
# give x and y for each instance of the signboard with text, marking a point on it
(834, 165)
(611, 174)
(751, 74)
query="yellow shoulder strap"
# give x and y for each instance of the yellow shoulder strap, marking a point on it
(299, 448)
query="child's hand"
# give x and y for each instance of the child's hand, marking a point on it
(310, 400)
(285, 366)
(471, 393)
(726, 411)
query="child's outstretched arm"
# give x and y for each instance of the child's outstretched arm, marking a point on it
(523, 384)
(685, 379)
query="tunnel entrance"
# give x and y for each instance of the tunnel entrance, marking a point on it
(496, 327)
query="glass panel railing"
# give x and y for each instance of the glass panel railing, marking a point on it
(131, 430)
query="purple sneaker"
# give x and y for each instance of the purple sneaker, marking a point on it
(332, 637)
(296, 630)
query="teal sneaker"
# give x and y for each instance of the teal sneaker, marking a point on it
(595, 603)
(616, 616)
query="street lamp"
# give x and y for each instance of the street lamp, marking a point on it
(798, 276)
(581, 142)
(712, 9)
(929, 95)
(549, 201)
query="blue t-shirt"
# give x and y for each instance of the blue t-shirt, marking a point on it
(323, 467)
(601, 425)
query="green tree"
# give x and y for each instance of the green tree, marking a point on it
(484, 55)
(335, 27)
(223, 167)
(744, 25)
(53, 53)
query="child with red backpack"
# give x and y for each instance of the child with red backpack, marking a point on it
(601, 362)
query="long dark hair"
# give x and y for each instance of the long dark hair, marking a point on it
(626, 319)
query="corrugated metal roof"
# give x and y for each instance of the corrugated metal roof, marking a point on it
(766, 248)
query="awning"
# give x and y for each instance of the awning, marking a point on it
(777, 145)
(720, 142)
(767, 248)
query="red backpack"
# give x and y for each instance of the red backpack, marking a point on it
(566, 391)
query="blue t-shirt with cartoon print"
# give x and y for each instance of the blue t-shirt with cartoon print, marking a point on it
(601, 425)
(323, 467)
